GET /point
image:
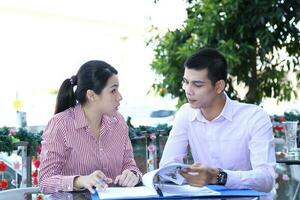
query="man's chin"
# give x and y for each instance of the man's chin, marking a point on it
(195, 106)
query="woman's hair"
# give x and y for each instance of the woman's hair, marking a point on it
(93, 75)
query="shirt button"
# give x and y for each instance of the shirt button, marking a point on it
(101, 149)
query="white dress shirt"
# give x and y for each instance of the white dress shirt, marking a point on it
(239, 140)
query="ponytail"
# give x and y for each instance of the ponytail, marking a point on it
(66, 96)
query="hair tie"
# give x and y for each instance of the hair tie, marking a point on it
(73, 80)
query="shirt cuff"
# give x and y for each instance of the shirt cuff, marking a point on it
(233, 179)
(67, 183)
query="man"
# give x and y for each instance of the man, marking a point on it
(231, 143)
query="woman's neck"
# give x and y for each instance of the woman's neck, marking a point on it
(93, 118)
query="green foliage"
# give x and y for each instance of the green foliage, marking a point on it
(9, 139)
(6, 142)
(141, 131)
(292, 116)
(253, 35)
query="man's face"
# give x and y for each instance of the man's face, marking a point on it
(198, 88)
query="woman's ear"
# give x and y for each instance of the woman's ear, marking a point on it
(220, 86)
(90, 95)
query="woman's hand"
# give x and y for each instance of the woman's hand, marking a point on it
(97, 179)
(127, 179)
(199, 175)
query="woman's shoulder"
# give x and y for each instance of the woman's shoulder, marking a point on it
(117, 120)
(62, 118)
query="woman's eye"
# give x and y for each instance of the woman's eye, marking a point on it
(113, 91)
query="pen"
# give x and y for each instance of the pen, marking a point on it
(158, 190)
(100, 181)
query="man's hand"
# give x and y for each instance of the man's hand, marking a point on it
(199, 175)
(127, 179)
(97, 179)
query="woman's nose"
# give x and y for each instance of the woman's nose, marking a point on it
(120, 97)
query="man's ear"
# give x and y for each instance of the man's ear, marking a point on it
(220, 86)
(90, 95)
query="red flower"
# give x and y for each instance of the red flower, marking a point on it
(2, 166)
(39, 197)
(35, 173)
(151, 148)
(152, 136)
(281, 118)
(12, 132)
(278, 128)
(4, 184)
(16, 165)
(35, 180)
(36, 163)
(38, 149)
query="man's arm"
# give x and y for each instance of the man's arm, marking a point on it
(262, 155)
(176, 146)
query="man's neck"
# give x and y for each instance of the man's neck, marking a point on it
(215, 109)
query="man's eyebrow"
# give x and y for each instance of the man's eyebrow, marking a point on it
(194, 81)
(198, 82)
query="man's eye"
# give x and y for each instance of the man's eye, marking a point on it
(198, 86)
(113, 91)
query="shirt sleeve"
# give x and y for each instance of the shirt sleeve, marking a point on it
(262, 156)
(176, 146)
(53, 158)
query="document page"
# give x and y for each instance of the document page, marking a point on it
(126, 193)
(186, 190)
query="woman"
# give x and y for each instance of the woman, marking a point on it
(86, 144)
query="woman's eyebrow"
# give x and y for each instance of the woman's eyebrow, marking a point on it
(114, 85)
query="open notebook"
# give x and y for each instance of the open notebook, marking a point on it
(154, 188)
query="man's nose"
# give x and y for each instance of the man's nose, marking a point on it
(188, 89)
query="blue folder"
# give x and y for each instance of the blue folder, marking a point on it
(225, 193)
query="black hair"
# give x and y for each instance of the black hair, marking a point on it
(93, 75)
(209, 59)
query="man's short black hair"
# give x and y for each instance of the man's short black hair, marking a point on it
(209, 59)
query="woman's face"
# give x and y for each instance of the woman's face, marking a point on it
(109, 99)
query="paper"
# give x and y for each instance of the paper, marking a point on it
(126, 192)
(187, 190)
(170, 173)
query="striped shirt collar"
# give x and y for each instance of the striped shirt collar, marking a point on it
(81, 120)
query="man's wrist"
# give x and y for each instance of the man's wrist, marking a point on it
(222, 177)
(213, 174)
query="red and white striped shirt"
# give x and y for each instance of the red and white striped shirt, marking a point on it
(70, 149)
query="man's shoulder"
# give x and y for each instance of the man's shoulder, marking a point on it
(186, 109)
(248, 109)
(184, 113)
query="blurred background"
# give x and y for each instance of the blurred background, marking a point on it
(45, 42)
